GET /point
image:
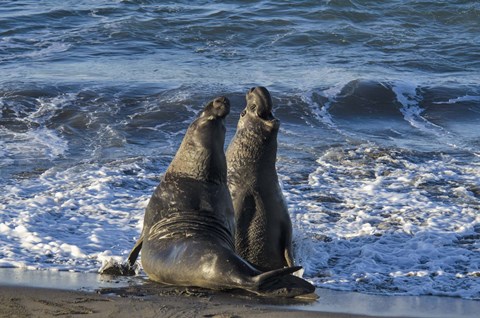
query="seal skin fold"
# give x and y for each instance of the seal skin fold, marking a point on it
(263, 234)
(188, 233)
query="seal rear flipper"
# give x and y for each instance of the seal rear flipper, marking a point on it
(280, 283)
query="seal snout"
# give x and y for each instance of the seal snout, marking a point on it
(221, 106)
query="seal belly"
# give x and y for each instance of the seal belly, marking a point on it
(259, 237)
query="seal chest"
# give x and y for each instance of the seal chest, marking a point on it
(263, 233)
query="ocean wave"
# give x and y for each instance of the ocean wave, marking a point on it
(386, 111)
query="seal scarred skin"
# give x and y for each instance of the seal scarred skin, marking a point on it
(263, 234)
(188, 233)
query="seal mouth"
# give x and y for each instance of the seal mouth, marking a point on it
(267, 116)
(260, 103)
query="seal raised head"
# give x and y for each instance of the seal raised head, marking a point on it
(187, 237)
(263, 233)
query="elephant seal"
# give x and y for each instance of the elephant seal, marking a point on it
(263, 227)
(187, 237)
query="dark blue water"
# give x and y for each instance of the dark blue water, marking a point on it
(379, 149)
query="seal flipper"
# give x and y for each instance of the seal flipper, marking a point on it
(132, 257)
(287, 244)
(128, 268)
(117, 269)
(280, 283)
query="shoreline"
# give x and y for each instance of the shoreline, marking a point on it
(24, 292)
(18, 301)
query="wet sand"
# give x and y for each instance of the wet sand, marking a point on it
(25, 293)
(18, 301)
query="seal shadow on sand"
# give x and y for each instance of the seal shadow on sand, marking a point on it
(150, 288)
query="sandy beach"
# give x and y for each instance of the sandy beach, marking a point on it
(27, 293)
(148, 301)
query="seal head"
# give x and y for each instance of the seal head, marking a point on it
(259, 109)
(201, 155)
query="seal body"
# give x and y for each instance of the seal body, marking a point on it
(187, 238)
(263, 227)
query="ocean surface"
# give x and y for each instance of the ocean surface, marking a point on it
(379, 146)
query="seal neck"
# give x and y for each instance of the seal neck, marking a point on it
(253, 150)
(201, 155)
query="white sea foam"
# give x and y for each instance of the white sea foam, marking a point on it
(321, 111)
(406, 93)
(73, 219)
(375, 221)
(466, 98)
(31, 146)
(38, 142)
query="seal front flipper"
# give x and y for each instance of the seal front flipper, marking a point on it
(111, 267)
(129, 267)
(132, 257)
(281, 283)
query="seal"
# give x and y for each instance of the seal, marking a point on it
(263, 227)
(187, 237)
